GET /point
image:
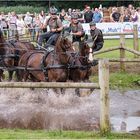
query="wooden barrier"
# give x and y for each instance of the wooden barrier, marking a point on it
(103, 86)
(136, 39)
(104, 96)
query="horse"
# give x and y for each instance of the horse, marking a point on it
(52, 64)
(81, 67)
(11, 51)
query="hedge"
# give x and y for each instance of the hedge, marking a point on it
(22, 9)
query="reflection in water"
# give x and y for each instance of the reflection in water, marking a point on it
(125, 125)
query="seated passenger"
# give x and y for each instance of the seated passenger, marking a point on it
(55, 26)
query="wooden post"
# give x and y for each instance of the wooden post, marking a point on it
(122, 52)
(135, 39)
(104, 96)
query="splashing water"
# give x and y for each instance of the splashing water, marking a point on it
(44, 109)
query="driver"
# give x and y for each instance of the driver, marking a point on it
(76, 29)
(55, 26)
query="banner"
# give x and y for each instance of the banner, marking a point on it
(114, 27)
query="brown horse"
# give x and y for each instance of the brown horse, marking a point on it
(10, 52)
(52, 65)
(81, 69)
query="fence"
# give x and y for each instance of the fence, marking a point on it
(103, 85)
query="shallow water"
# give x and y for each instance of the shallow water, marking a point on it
(44, 109)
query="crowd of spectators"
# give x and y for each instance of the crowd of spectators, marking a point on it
(33, 23)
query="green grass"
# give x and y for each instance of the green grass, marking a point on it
(114, 43)
(42, 134)
(122, 80)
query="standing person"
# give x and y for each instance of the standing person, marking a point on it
(88, 15)
(37, 26)
(97, 17)
(116, 16)
(42, 18)
(62, 15)
(28, 21)
(97, 37)
(12, 24)
(138, 14)
(55, 26)
(126, 16)
(20, 25)
(3, 23)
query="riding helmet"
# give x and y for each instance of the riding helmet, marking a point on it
(53, 10)
(74, 16)
(92, 23)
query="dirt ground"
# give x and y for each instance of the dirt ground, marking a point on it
(115, 67)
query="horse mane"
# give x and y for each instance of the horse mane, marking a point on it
(61, 42)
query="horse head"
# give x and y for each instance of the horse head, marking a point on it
(63, 44)
(84, 48)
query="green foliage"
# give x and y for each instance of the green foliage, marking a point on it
(122, 80)
(42, 134)
(22, 9)
(110, 43)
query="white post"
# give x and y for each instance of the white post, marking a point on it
(104, 96)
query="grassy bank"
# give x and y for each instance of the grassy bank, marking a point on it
(109, 43)
(42, 134)
(121, 80)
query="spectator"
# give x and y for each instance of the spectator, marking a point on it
(3, 23)
(130, 8)
(55, 26)
(12, 24)
(88, 15)
(97, 17)
(138, 14)
(69, 13)
(116, 15)
(134, 17)
(37, 25)
(126, 16)
(101, 11)
(66, 22)
(42, 18)
(20, 25)
(28, 22)
(62, 15)
(80, 16)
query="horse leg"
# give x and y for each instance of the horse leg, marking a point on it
(1, 75)
(62, 91)
(10, 75)
(77, 92)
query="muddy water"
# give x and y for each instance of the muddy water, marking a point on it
(43, 109)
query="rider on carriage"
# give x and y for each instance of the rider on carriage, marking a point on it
(76, 29)
(97, 37)
(55, 26)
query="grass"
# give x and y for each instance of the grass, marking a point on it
(43, 134)
(120, 80)
(114, 43)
